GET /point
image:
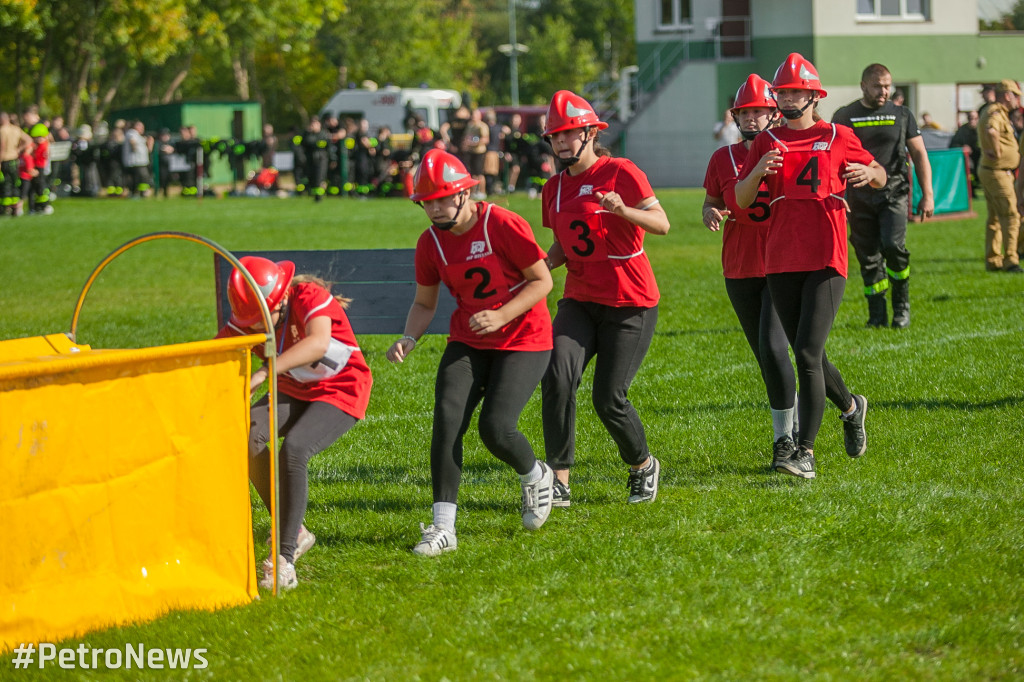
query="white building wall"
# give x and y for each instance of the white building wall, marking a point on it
(672, 142)
(947, 17)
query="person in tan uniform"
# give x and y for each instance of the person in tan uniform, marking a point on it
(1000, 156)
(13, 141)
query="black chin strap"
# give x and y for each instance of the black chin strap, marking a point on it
(449, 224)
(798, 112)
(571, 161)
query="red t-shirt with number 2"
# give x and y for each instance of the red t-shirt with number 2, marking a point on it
(483, 269)
(807, 228)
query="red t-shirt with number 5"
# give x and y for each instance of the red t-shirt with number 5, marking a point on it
(807, 228)
(746, 229)
(483, 269)
(604, 253)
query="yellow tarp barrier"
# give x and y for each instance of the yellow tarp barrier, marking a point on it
(124, 486)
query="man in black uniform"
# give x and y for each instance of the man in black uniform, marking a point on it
(878, 217)
(315, 143)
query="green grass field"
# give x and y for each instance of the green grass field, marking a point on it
(906, 563)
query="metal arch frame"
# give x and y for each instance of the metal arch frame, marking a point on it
(270, 352)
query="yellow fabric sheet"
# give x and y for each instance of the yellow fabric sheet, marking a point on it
(123, 485)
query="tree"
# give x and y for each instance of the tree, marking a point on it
(557, 60)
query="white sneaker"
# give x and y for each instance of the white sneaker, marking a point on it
(537, 499)
(286, 578)
(303, 544)
(435, 541)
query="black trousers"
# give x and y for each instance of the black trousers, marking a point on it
(308, 428)
(9, 191)
(752, 302)
(619, 339)
(807, 303)
(878, 233)
(504, 380)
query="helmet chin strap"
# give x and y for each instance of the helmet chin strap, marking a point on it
(794, 113)
(449, 224)
(751, 134)
(570, 161)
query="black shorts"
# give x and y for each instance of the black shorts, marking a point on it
(475, 163)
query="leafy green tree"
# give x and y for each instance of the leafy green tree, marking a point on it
(557, 61)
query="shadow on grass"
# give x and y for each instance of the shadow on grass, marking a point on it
(697, 332)
(938, 404)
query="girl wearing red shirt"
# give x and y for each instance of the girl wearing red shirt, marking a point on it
(500, 339)
(600, 209)
(744, 232)
(806, 166)
(324, 385)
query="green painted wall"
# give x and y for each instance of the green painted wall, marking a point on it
(768, 54)
(657, 60)
(923, 59)
(211, 119)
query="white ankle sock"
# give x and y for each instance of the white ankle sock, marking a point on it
(533, 475)
(782, 422)
(444, 515)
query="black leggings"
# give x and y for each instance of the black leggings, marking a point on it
(308, 428)
(504, 380)
(619, 337)
(753, 305)
(807, 303)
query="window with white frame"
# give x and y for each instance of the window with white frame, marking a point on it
(675, 14)
(893, 10)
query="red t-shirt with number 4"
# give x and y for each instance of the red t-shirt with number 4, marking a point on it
(745, 231)
(807, 228)
(604, 253)
(483, 269)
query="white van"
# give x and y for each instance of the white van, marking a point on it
(387, 106)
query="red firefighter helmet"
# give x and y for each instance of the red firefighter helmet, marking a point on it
(567, 111)
(440, 174)
(799, 74)
(755, 92)
(273, 280)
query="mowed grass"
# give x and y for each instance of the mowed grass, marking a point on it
(906, 563)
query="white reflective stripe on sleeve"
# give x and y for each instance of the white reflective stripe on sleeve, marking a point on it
(319, 307)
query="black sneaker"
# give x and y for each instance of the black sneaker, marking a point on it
(643, 483)
(559, 494)
(782, 450)
(855, 438)
(800, 464)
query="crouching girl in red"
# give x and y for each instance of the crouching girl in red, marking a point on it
(806, 165)
(500, 339)
(324, 386)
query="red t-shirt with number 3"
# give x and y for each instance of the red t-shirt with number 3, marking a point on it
(807, 229)
(604, 253)
(483, 269)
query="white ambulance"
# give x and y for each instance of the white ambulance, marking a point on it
(387, 106)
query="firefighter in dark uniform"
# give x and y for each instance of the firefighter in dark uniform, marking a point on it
(299, 162)
(315, 144)
(188, 147)
(878, 217)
